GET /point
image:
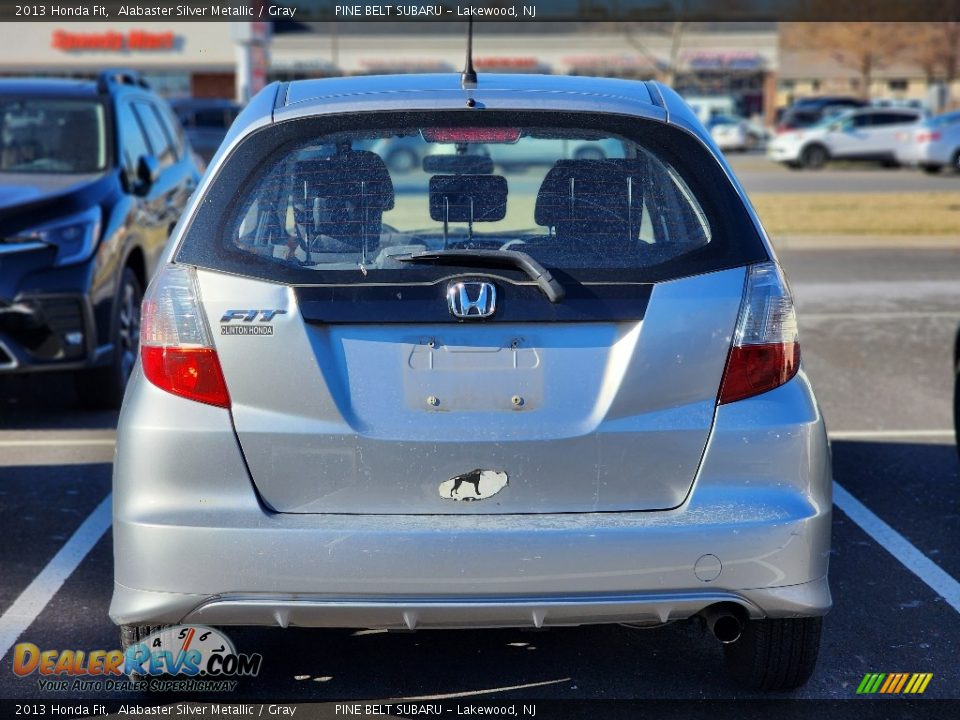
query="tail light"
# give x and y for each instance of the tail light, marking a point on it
(927, 136)
(765, 352)
(176, 348)
(471, 135)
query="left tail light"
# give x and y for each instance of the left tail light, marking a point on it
(176, 347)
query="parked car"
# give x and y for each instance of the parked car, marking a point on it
(93, 177)
(808, 112)
(473, 403)
(206, 121)
(708, 106)
(912, 103)
(932, 145)
(406, 154)
(866, 134)
(732, 132)
(535, 151)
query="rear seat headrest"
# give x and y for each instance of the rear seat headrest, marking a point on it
(575, 190)
(349, 175)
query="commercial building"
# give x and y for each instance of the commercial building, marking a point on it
(701, 58)
(202, 59)
(806, 73)
(178, 59)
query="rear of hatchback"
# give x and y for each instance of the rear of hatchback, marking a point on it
(457, 396)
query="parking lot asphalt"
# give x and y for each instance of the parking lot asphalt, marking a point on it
(761, 175)
(877, 333)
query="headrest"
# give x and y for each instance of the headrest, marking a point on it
(359, 176)
(575, 190)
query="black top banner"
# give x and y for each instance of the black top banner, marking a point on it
(520, 11)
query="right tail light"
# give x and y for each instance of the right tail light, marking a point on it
(765, 352)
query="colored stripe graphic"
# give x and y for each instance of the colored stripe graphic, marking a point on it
(894, 683)
(919, 683)
(891, 680)
(903, 681)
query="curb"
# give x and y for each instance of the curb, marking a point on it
(893, 242)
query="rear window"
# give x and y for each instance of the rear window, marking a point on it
(346, 205)
(943, 120)
(802, 118)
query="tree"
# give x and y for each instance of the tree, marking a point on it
(864, 47)
(936, 49)
(667, 70)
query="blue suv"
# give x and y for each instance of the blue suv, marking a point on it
(93, 177)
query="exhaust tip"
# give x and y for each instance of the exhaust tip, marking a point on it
(725, 621)
(727, 628)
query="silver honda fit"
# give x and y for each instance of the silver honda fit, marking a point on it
(546, 373)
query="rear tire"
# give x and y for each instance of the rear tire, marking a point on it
(956, 394)
(815, 157)
(102, 388)
(774, 654)
(131, 635)
(955, 161)
(931, 169)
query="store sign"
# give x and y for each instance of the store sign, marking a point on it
(732, 60)
(110, 41)
(405, 65)
(511, 63)
(613, 62)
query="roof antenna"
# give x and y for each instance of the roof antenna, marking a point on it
(468, 78)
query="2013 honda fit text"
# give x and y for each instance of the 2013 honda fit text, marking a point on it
(469, 393)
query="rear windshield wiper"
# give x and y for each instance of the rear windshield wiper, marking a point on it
(493, 258)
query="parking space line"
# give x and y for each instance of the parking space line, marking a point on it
(40, 592)
(880, 434)
(867, 316)
(474, 693)
(897, 545)
(57, 443)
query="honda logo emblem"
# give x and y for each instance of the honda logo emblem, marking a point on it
(471, 299)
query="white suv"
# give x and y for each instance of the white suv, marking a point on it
(863, 134)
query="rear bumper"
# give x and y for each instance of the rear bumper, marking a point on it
(193, 544)
(141, 606)
(783, 153)
(927, 155)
